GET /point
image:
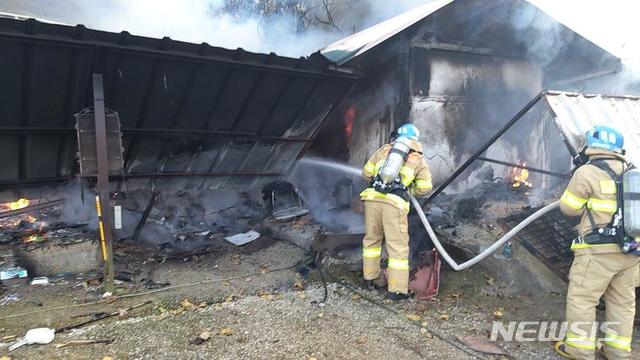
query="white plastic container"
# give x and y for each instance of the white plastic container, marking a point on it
(35, 336)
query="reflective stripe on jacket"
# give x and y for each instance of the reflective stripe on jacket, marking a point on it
(414, 174)
(592, 188)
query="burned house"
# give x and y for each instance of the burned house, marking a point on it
(200, 121)
(472, 75)
(456, 68)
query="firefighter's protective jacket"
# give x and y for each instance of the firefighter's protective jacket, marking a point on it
(414, 174)
(593, 189)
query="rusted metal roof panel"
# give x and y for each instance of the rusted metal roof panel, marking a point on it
(214, 115)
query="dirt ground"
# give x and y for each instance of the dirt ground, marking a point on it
(269, 314)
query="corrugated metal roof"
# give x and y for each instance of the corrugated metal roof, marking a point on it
(217, 116)
(574, 114)
(484, 24)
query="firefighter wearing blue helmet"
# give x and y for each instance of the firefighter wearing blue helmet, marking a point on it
(393, 171)
(600, 268)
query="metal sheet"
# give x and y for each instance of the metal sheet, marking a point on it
(344, 50)
(189, 111)
(548, 239)
(574, 114)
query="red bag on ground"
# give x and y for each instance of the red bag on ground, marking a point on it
(425, 282)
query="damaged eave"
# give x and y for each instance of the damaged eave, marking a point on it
(224, 118)
(485, 28)
(464, 49)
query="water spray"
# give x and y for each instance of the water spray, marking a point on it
(353, 171)
(350, 170)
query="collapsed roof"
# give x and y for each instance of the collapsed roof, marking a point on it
(509, 28)
(211, 116)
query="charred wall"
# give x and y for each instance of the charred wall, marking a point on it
(460, 100)
(460, 73)
(380, 102)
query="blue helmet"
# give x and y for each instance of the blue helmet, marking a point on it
(409, 131)
(604, 137)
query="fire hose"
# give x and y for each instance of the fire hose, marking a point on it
(467, 264)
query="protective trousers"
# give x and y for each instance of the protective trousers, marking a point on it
(384, 221)
(615, 276)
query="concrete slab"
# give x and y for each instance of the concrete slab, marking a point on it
(56, 258)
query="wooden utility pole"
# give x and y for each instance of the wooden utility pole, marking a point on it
(102, 198)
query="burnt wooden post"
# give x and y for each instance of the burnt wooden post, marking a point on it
(102, 198)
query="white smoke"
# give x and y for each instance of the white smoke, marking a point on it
(200, 21)
(610, 24)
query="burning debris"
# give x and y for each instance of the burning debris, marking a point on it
(520, 176)
(16, 205)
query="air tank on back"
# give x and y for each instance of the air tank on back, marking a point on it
(397, 155)
(631, 197)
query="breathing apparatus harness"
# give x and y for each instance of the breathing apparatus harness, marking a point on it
(395, 187)
(614, 232)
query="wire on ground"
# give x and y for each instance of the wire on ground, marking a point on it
(435, 332)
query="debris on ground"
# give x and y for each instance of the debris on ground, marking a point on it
(40, 280)
(483, 345)
(11, 271)
(188, 305)
(8, 299)
(35, 336)
(243, 239)
(202, 338)
(288, 214)
(152, 285)
(226, 332)
(413, 317)
(84, 342)
(120, 312)
(498, 313)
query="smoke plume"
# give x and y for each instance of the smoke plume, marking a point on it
(208, 20)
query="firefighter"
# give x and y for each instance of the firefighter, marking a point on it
(600, 268)
(393, 171)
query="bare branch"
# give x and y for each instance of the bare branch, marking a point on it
(329, 7)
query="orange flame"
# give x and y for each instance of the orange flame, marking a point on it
(349, 117)
(521, 177)
(19, 204)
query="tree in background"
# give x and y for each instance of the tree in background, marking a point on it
(342, 16)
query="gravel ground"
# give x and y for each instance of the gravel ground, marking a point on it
(284, 326)
(277, 315)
